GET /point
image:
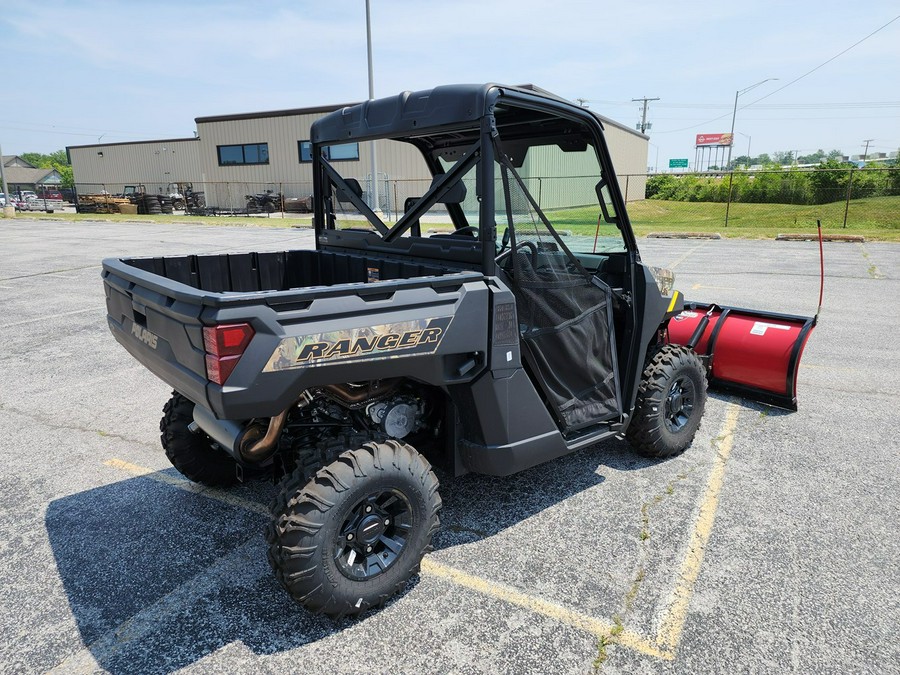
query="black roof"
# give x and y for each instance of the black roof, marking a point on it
(408, 112)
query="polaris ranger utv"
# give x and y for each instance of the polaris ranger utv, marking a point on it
(339, 370)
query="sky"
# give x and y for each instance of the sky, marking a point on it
(82, 71)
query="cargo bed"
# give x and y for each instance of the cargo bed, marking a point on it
(158, 307)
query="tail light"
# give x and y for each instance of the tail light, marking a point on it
(225, 345)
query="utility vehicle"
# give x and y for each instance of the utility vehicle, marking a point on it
(347, 371)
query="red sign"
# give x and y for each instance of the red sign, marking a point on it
(714, 139)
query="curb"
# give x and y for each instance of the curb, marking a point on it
(684, 235)
(849, 238)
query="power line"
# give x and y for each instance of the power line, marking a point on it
(782, 88)
(794, 119)
(810, 72)
(790, 106)
(767, 106)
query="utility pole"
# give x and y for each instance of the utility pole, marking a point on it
(646, 100)
(583, 102)
(374, 198)
(866, 151)
(8, 212)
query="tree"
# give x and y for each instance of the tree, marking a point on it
(55, 160)
(783, 157)
(813, 158)
(59, 157)
(34, 158)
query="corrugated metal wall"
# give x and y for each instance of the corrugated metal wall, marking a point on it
(155, 164)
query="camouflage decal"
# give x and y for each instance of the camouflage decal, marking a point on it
(369, 343)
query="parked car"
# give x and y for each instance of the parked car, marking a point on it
(49, 194)
(2, 199)
(27, 195)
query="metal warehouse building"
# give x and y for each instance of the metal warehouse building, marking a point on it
(236, 155)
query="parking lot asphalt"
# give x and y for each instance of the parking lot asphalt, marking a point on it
(767, 547)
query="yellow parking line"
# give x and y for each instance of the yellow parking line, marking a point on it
(674, 616)
(540, 606)
(433, 568)
(187, 486)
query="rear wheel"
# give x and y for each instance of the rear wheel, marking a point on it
(193, 453)
(670, 403)
(351, 536)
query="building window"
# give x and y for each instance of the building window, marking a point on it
(347, 152)
(249, 153)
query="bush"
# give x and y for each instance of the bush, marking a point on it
(828, 182)
(822, 185)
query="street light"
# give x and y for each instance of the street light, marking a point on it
(734, 113)
(749, 138)
(656, 162)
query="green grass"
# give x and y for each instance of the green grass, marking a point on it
(249, 221)
(874, 218)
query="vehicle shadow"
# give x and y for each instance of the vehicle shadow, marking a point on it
(478, 506)
(157, 577)
(748, 404)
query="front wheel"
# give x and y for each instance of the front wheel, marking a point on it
(352, 536)
(670, 403)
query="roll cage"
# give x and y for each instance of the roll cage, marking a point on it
(465, 126)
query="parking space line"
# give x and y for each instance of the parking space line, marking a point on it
(433, 568)
(187, 486)
(589, 624)
(675, 615)
(98, 309)
(239, 562)
(696, 248)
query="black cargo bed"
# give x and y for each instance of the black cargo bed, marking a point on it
(280, 270)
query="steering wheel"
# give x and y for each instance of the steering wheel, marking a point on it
(531, 246)
(471, 230)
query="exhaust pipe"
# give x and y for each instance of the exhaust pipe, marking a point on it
(260, 450)
(244, 443)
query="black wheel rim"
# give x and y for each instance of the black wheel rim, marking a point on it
(679, 404)
(373, 535)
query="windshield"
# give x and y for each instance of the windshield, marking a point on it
(558, 176)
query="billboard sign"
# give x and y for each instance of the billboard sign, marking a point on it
(714, 139)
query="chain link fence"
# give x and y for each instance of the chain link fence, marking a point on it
(840, 198)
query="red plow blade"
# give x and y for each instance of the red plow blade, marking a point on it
(747, 352)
